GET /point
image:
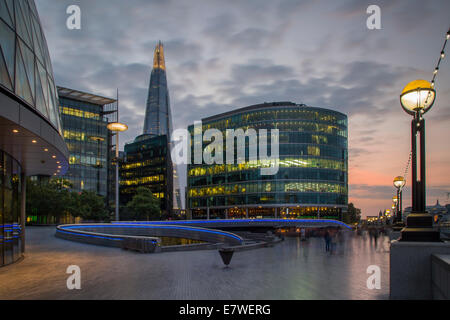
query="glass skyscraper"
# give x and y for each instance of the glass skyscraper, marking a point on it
(158, 119)
(84, 119)
(157, 128)
(312, 177)
(30, 130)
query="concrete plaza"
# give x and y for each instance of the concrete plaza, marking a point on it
(293, 269)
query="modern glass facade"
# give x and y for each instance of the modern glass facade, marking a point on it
(158, 117)
(84, 125)
(30, 130)
(146, 165)
(25, 66)
(10, 203)
(312, 176)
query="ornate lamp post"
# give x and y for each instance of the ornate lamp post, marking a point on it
(399, 183)
(117, 127)
(416, 99)
(395, 205)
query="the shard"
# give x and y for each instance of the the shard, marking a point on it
(158, 117)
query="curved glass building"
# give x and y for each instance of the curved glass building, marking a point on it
(30, 131)
(312, 177)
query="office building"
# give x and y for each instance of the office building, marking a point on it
(146, 165)
(85, 117)
(311, 181)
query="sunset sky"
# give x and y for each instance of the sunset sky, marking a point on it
(222, 55)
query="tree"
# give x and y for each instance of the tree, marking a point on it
(144, 205)
(49, 200)
(353, 214)
(46, 200)
(91, 207)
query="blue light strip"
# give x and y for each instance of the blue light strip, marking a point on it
(313, 221)
(88, 235)
(129, 225)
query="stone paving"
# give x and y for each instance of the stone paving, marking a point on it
(293, 269)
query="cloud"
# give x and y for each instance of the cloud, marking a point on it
(221, 55)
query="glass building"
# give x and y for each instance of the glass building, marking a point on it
(312, 177)
(146, 165)
(85, 117)
(158, 118)
(31, 142)
(158, 123)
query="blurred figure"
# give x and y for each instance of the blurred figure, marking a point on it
(327, 238)
(303, 234)
(333, 239)
(373, 232)
(359, 231)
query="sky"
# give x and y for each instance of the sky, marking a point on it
(223, 55)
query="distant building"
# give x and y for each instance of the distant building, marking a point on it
(158, 118)
(439, 212)
(84, 119)
(312, 178)
(31, 142)
(146, 164)
(147, 160)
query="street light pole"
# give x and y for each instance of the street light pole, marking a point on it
(117, 177)
(399, 183)
(418, 171)
(416, 99)
(117, 127)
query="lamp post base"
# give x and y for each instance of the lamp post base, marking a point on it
(398, 225)
(419, 227)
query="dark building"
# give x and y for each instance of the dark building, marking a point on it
(85, 117)
(31, 142)
(146, 164)
(312, 177)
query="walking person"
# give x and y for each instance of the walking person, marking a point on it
(375, 235)
(327, 238)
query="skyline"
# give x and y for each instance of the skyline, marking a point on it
(237, 54)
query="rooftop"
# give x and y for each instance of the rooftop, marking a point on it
(267, 105)
(84, 96)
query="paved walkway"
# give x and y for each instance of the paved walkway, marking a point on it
(290, 270)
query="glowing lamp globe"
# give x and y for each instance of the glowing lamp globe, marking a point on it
(417, 96)
(117, 126)
(399, 182)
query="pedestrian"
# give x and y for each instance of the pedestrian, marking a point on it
(375, 236)
(327, 238)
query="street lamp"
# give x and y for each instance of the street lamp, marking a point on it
(117, 127)
(399, 183)
(416, 99)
